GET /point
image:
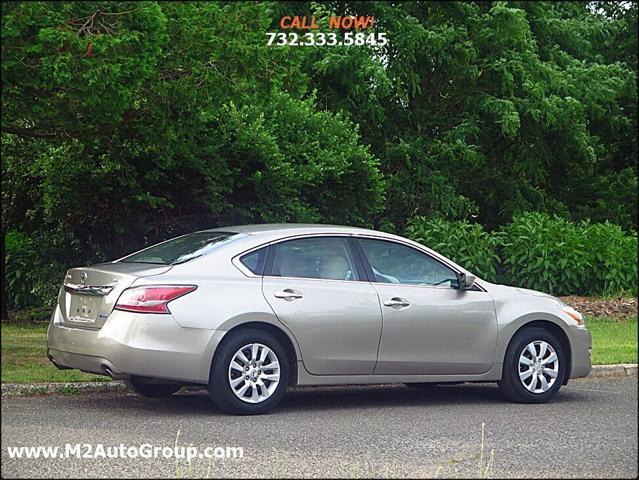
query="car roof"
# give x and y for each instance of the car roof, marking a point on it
(256, 229)
(257, 234)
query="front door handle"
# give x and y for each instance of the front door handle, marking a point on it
(396, 302)
(288, 294)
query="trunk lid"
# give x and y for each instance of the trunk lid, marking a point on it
(89, 294)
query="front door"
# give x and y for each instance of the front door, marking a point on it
(316, 289)
(429, 326)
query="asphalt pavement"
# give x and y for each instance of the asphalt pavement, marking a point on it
(589, 430)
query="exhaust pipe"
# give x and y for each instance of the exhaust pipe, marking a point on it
(112, 374)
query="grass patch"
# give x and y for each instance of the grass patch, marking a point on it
(24, 350)
(613, 341)
(24, 357)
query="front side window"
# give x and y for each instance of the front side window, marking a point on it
(181, 249)
(326, 258)
(395, 263)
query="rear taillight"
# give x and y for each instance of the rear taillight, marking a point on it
(151, 299)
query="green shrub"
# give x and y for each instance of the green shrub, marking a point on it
(545, 253)
(553, 255)
(467, 244)
(614, 257)
(32, 278)
(18, 250)
(539, 251)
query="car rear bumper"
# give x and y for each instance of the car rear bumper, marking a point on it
(581, 342)
(131, 344)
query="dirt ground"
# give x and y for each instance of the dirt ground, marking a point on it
(621, 307)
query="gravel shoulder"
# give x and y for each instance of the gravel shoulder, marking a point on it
(590, 430)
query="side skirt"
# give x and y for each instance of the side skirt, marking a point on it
(305, 378)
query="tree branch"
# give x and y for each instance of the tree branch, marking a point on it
(27, 132)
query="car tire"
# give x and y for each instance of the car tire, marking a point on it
(517, 380)
(152, 390)
(230, 398)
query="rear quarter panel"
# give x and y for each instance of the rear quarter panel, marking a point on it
(225, 298)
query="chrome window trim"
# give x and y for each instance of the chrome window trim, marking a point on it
(428, 254)
(319, 279)
(242, 268)
(310, 235)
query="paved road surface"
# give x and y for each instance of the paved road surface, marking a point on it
(590, 430)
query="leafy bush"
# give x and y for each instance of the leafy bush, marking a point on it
(465, 243)
(293, 163)
(32, 279)
(545, 253)
(550, 254)
(18, 250)
(614, 257)
(539, 251)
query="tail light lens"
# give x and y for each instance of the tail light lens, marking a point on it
(151, 299)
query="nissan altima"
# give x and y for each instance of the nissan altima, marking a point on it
(248, 310)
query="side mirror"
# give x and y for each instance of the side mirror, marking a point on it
(465, 281)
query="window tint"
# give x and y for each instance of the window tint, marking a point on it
(255, 261)
(323, 257)
(181, 249)
(396, 263)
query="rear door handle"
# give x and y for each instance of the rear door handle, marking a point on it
(397, 302)
(288, 294)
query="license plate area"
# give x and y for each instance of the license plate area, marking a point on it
(84, 309)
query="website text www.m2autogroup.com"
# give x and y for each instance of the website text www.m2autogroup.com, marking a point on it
(143, 451)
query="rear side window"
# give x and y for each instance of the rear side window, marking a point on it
(327, 258)
(255, 261)
(181, 249)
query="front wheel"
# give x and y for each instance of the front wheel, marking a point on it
(534, 366)
(249, 374)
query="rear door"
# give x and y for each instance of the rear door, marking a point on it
(316, 287)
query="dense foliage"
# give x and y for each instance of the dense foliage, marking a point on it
(539, 251)
(547, 254)
(125, 123)
(467, 244)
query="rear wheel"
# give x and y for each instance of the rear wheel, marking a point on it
(534, 366)
(249, 374)
(153, 390)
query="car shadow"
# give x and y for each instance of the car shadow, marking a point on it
(191, 401)
(386, 396)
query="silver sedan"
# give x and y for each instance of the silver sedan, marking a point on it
(248, 310)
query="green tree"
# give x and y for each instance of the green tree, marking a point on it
(488, 109)
(123, 124)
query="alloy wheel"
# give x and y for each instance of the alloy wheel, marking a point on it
(254, 373)
(538, 366)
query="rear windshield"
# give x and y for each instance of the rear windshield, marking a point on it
(181, 249)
